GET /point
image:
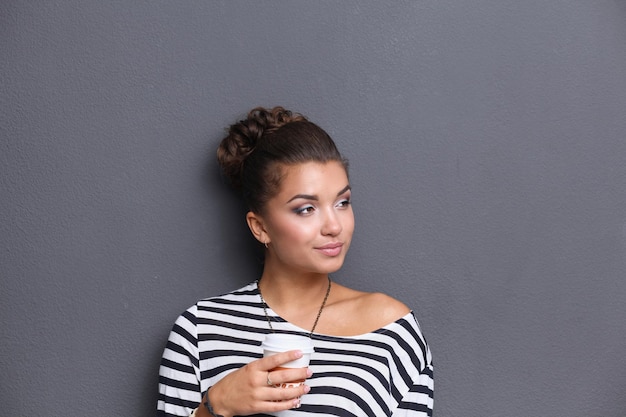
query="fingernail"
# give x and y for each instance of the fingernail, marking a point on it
(309, 372)
(307, 389)
(297, 405)
(298, 354)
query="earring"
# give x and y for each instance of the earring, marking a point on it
(265, 243)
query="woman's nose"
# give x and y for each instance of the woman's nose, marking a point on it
(332, 224)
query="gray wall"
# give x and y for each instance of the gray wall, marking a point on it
(487, 142)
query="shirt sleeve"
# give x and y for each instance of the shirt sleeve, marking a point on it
(418, 401)
(179, 373)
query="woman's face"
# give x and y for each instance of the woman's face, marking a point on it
(309, 223)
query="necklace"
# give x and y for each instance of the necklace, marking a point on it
(319, 313)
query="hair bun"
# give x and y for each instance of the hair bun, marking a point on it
(244, 137)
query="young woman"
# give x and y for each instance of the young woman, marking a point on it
(370, 357)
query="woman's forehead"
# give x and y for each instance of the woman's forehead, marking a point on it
(313, 177)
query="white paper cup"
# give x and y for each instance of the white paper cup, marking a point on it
(276, 343)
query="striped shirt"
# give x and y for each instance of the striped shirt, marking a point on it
(387, 372)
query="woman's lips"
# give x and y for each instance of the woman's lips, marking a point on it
(330, 249)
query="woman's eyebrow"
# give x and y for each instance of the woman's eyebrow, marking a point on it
(315, 197)
(344, 189)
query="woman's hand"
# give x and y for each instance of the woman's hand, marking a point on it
(248, 390)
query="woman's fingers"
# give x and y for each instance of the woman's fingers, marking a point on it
(284, 398)
(285, 386)
(270, 362)
(262, 385)
(282, 376)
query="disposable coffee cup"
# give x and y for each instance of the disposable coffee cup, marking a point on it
(277, 343)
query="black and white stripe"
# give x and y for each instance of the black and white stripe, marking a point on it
(387, 372)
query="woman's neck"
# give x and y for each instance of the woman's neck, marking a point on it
(282, 291)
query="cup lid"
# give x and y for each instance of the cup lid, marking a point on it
(281, 342)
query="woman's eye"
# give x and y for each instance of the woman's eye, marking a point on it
(304, 210)
(344, 203)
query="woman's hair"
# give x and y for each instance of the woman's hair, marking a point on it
(257, 148)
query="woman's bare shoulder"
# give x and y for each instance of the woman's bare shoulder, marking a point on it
(383, 307)
(368, 311)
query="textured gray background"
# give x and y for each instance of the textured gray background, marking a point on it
(487, 142)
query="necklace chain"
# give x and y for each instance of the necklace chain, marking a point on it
(319, 313)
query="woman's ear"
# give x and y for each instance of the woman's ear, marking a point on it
(257, 227)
